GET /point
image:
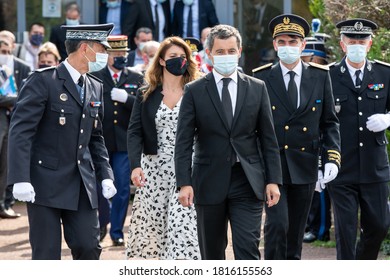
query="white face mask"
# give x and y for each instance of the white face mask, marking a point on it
(4, 59)
(288, 54)
(188, 2)
(99, 64)
(225, 64)
(141, 45)
(72, 21)
(356, 53)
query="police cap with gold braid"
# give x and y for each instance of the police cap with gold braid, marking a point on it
(289, 24)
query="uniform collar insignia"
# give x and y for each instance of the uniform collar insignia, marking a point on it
(342, 69)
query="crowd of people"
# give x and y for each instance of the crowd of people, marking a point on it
(160, 102)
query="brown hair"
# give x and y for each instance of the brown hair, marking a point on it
(154, 73)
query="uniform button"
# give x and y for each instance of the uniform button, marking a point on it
(116, 103)
(384, 142)
(313, 109)
(273, 108)
(359, 98)
(286, 127)
(81, 130)
(360, 114)
(78, 162)
(115, 113)
(40, 161)
(361, 128)
(304, 129)
(83, 116)
(115, 121)
(81, 146)
(338, 99)
(62, 110)
(361, 144)
(376, 96)
(286, 147)
(302, 149)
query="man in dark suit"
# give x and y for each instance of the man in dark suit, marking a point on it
(56, 148)
(191, 17)
(236, 163)
(361, 89)
(120, 86)
(58, 34)
(143, 35)
(303, 111)
(117, 12)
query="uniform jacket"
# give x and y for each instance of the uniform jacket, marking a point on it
(21, 71)
(6, 102)
(207, 16)
(299, 131)
(56, 141)
(142, 132)
(117, 114)
(252, 137)
(364, 153)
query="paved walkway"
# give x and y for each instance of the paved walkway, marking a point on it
(14, 244)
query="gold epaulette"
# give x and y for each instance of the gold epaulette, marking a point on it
(323, 67)
(382, 62)
(262, 67)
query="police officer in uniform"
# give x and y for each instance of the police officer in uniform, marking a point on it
(303, 110)
(361, 89)
(120, 86)
(56, 148)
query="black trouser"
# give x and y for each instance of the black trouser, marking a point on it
(243, 210)
(285, 222)
(372, 199)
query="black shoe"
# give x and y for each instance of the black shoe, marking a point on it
(118, 242)
(9, 214)
(309, 237)
(103, 233)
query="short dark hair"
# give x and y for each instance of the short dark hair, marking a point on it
(145, 30)
(36, 23)
(72, 45)
(223, 31)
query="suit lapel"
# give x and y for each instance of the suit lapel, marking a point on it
(277, 84)
(242, 86)
(306, 89)
(88, 89)
(345, 77)
(63, 74)
(123, 78)
(212, 90)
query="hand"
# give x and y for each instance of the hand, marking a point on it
(273, 194)
(119, 95)
(24, 192)
(330, 172)
(108, 188)
(319, 184)
(378, 122)
(186, 196)
(138, 177)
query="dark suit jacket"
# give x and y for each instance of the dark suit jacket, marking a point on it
(207, 16)
(117, 114)
(299, 131)
(55, 141)
(131, 58)
(252, 137)
(58, 37)
(142, 133)
(125, 20)
(142, 16)
(21, 71)
(368, 163)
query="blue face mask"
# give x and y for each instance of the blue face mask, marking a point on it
(188, 2)
(113, 4)
(356, 53)
(288, 54)
(225, 64)
(161, 1)
(99, 64)
(72, 21)
(36, 39)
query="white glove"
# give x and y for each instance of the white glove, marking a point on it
(24, 191)
(330, 172)
(378, 122)
(319, 184)
(119, 95)
(108, 188)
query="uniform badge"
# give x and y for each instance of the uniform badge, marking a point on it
(96, 104)
(63, 97)
(376, 86)
(342, 69)
(337, 108)
(62, 120)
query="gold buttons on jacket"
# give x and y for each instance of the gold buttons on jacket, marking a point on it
(115, 121)
(304, 129)
(303, 149)
(313, 109)
(273, 108)
(286, 147)
(115, 113)
(116, 103)
(286, 127)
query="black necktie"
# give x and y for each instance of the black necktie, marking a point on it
(292, 91)
(80, 83)
(358, 82)
(156, 25)
(189, 23)
(227, 101)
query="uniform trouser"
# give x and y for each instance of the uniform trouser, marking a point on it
(81, 230)
(3, 167)
(319, 220)
(243, 210)
(374, 219)
(285, 222)
(121, 167)
(104, 208)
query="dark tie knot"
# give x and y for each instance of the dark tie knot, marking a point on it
(292, 74)
(81, 81)
(226, 81)
(357, 73)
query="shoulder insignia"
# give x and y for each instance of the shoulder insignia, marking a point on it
(94, 77)
(382, 62)
(44, 69)
(262, 67)
(332, 64)
(320, 66)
